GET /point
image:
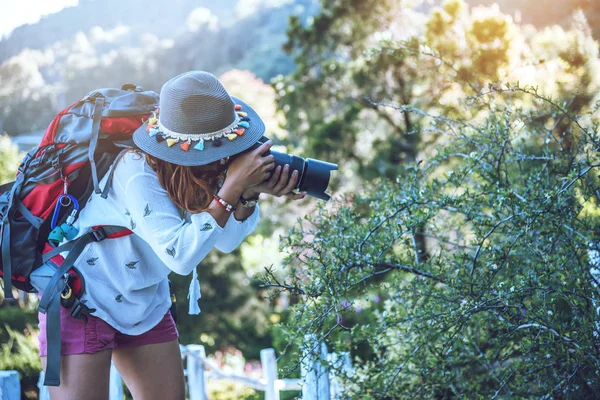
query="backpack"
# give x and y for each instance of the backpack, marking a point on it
(53, 181)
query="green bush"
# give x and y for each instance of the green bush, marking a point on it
(503, 302)
(19, 348)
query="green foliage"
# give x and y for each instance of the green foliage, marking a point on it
(504, 303)
(9, 159)
(18, 345)
(358, 54)
(458, 266)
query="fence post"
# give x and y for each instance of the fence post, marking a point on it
(195, 372)
(269, 367)
(44, 394)
(341, 365)
(10, 386)
(315, 373)
(116, 384)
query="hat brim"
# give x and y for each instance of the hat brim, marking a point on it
(176, 155)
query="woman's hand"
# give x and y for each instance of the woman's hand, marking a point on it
(277, 185)
(251, 168)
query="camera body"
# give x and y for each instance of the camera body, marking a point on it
(314, 175)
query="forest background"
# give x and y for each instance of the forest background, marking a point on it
(457, 256)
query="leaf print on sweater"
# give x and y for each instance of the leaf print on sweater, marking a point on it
(131, 265)
(171, 252)
(206, 227)
(119, 298)
(133, 225)
(147, 210)
(92, 261)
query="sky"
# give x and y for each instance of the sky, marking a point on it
(17, 13)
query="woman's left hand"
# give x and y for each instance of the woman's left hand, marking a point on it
(277, 185)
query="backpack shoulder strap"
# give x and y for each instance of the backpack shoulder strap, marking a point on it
(50, 301)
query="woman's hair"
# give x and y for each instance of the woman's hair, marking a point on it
(189, 188)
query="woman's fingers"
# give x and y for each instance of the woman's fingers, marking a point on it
(296, 196)
(291, 183)
(263, 148)
(268, 159)
(274, 177)
(268, 167)
(283, 177)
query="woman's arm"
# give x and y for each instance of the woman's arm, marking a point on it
(235, 231)
(180, 244)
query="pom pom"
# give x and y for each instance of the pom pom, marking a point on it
(238, 107)
(232, 136)
(217, 143)
(171, 142)
(200, 145)
(244, 124)
(160, 138)
(185, 146)
(242, 114)
(246, 119)
(152, 121)
(240, 131)
(153, 132)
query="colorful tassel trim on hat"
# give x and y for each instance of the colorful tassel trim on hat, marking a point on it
(194, 294)
(237, 128)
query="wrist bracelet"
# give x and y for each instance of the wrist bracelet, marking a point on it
(228, 207)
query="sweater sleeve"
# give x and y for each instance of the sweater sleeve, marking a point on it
(235, 231)
(180, 244)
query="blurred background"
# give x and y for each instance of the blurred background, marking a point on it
(307, 66)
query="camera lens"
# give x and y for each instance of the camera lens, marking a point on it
(313, 175)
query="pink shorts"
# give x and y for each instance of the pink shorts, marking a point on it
(79, 337)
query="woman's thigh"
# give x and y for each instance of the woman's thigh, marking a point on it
(152, 371)
(82, 376)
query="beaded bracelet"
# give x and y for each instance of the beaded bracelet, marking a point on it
(228, 207)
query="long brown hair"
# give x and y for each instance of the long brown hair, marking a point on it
(189, 188)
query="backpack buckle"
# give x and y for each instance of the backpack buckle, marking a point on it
(81, 311)
(98, 235)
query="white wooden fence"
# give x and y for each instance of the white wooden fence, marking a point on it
(319, 371)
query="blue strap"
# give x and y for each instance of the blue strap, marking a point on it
(57, 250)
(50, 301)
(109, 230)
(6, 262)
(52, 377)
(98, 107)
(33, 220)
(111, 175)
(54, 288)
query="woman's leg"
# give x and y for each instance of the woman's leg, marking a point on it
(82, 376)
(152, 371)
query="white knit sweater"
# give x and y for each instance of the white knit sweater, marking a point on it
(126, 278)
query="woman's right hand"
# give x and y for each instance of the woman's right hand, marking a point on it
(251, 168)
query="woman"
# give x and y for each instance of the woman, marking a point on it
(192, 186)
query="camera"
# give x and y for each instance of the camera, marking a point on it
(314, 175)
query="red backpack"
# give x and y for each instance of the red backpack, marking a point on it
(38, 209)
